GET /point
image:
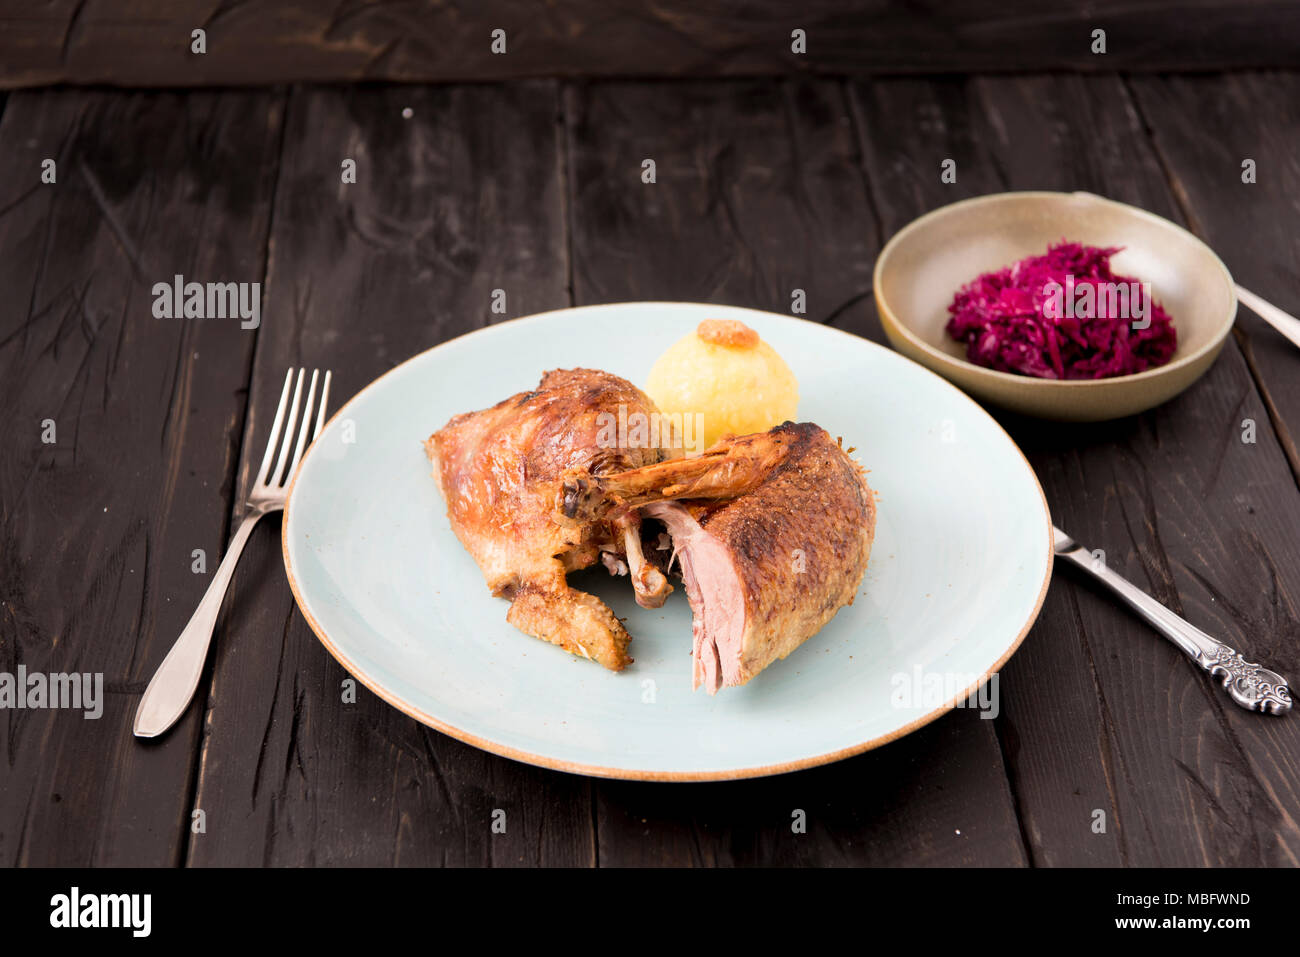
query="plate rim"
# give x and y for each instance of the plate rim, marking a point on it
(635, 774)
(958, 364)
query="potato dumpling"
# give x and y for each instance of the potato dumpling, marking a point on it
(721, 379)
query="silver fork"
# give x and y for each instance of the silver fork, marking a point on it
(1249, 685)
(173, 684)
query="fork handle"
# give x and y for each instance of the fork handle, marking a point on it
(1249, 685)
(1283, 322)
(176, 679)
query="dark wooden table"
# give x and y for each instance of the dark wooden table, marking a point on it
(534, 187)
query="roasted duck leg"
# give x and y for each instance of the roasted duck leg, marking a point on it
(498, 470)
(773, 532)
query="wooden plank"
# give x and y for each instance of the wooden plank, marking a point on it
(1098, 712)
(97, 530)
(935, 799)
(757, 193)
(126, 43)
(1204, 131)
(458, 199)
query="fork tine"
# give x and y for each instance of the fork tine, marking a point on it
(278, 475)
(306, 427)
(274, 440)
(324, 404)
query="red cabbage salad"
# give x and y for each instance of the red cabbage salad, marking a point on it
(1062, 315)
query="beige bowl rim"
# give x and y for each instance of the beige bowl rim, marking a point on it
(1033, 382)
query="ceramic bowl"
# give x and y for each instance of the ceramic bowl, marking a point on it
(922, 267)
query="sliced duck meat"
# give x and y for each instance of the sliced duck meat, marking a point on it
(773, 532)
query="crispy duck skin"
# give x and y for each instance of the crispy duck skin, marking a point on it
(731, 468)
(773, 532)
(498, 470)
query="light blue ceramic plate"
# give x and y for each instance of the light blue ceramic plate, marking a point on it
(961, 562)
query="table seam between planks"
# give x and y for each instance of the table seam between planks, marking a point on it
(564, 167)
(1241, 337)
(234, 507)
(853, 109)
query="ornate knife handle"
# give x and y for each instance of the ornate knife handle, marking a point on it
(1252, 687)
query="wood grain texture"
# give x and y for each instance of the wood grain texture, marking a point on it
(937, 799)
(1099, 712)
(757, 194)
(461, 198)
(758, 191)
(128, 43)
(1252, 226)
(97, 529)
(763, 186)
